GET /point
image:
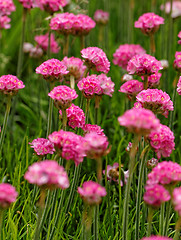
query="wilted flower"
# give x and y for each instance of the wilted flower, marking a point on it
(42, 41)
(101, 17)
(8, 195)
(42, 146)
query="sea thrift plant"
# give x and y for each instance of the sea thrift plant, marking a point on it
(101, 17)
(126, 77)
(107, 86)
(131, 88)
(164, 63)
(28, 3)
(51, 6)
(47, 174)
(42, 146)
(6, 7)
(125, 52)
(96, 59)
(8, 195)
(151, 163)
(88, 128)
(10, 84)
(4, 22)
(176, 199)
(156, 238)
(179, 86)
(175, 9)
(154, 80)
(179, 35)
(177, 62)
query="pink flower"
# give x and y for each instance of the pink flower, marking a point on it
(8, 195)
(179, 35)
(63, 96)
(143, 65)
(47, 174)
(107, 86)
(96, 59)
(128, 148)
(42, 41)
(151, 163)
(176, 198)
(177, 61)
(27, 47)
(156, 238)
(91, 193)
(10, 84)
(4, 22)
(162, 141)
(156, 100)
(154, 80)
(149, 23)
(101, 17)
(176, 8)
(126, 77)
(52, 70)
(6, 7)
(28, 3)
(179, 86)
(36, 52)
(139, 121)
(164, 64)
(165, 173)
(125, 52)
(88, 128)
(51, 6)
(69, 145)
(155, 195)
(131, 88)
(75, 116)
(42, 146)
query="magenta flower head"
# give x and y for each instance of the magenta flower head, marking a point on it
(51, 6)
(10, 84)
(177, 62)
(75, 116)
(6, 7)
(107, 86)
(139, 121)
(92, 193)
(143, 65)
(52, 70)
(125, 52)
(154, 80)
(176, 198)
(42, 146)
(63, 96)
(28, 3)
(156, 100)
(47, 174)
(96, 59)
(162, 141)
(179, 35)
(4, 22)
(101, 17)
(131, 88)
(156, 238)
(179, 86)
(88, 128)
(42, 41)
(82, 25)
(149, 23)
(8, 195)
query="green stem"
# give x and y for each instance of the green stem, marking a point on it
(177, 228)
(166, 225)
(1, 222)
(152, 44)
(96, 223)
(101, 35)
(87, 222)
(82, 42)
(99, 170)
(87, 110)
(49, 44)
(72, 81)
(66, 45)
(150, 217)
(50, 111)
(161, 224)
(64, 119)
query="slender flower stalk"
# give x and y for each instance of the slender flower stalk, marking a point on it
(1, 222)
(145, 82)
(82, 42)
(150, 217)
(50, 111)
(177, 228)
(152, 44)
(66, 45)
(64, 119)
(72, 81)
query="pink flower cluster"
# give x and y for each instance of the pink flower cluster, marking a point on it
(42, 41)
(96, 59)
(52, 70)
(144, 65)
(91, 192)
(69, 145)
(6, 7)
(107, 86)
(28, 3)
(156, 238)
(68, 23)
(139, 121)
(156, 100)
(47, 174)
(42, 146)
(154, 80)
(131, 88)
(4, 22)
(63, 96)
(179, 35)
(176, 198)
(176, 8)
(75, 116)
(10, 84)
(149, 23)
(101, 17)
(51, 6)
(177, 61)
(8, 195)
(162, 141)
(179, 86)
(125, 52)
(88, 128)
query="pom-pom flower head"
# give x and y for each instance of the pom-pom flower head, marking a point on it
(177, 62)
(51, 6)
(82, 25)
(6, 7)
(131, 88)
(4, 22)
(176, 198)
(27, 3)
(8, 195)
(107, 86)
(92, 193)
(101, 17)
(42, 146)
(10, 84)
(88, 128)
(42, 41)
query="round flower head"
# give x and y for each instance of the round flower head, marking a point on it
(10, 84)
(75, 116)
(176, 8)
(156, 238)
(88, 128)
(96, 59)
(154, 80)
(151, 163)
(139, 121)
(177, 62)
(176, 198)
(52, 70)
(107, 86)
(42, 41)
(91, 193)
(143, 65)
(125, 52)
(63, 96)
(155, 100)
(4, 22)
(69, 145)
(155, 195)
(51, 6)
(27, 3)
(6, 7)
(27, 47)
(131, 88)
(126, 77)
(179, 86)
(82, 25)
(36, 52)
(42, 146)
(8, 195)
(165, 173)
(162, 141)
(149, 23)
(47, 174)
(101, 17)
(164, 64)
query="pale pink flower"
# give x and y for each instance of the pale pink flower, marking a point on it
(96, 59)
(143, 65)
(179, 86)
(75, 116)
(127, 77)
(8, 195)
(28, 3)
(151, 163)
(4, 22)
(10, 84)
(131, 88)
(6, 7)
(155, 195)
(164, 64)
(139, 121)
(125, 52)
(92, 193)
(27, 47)
(42, 41)
(36, 52)
(179, 35)
(176, 199)
(42, 146)
(177, 61)
(52, 70)
(176, 8)
(107, 86)
(149, 23)
(162, 141)
(88, 128)
(63, 96)
(128, 148)
(101, 17)
(156, 100)
(51, 6)
(47, 174)
(156, 238)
